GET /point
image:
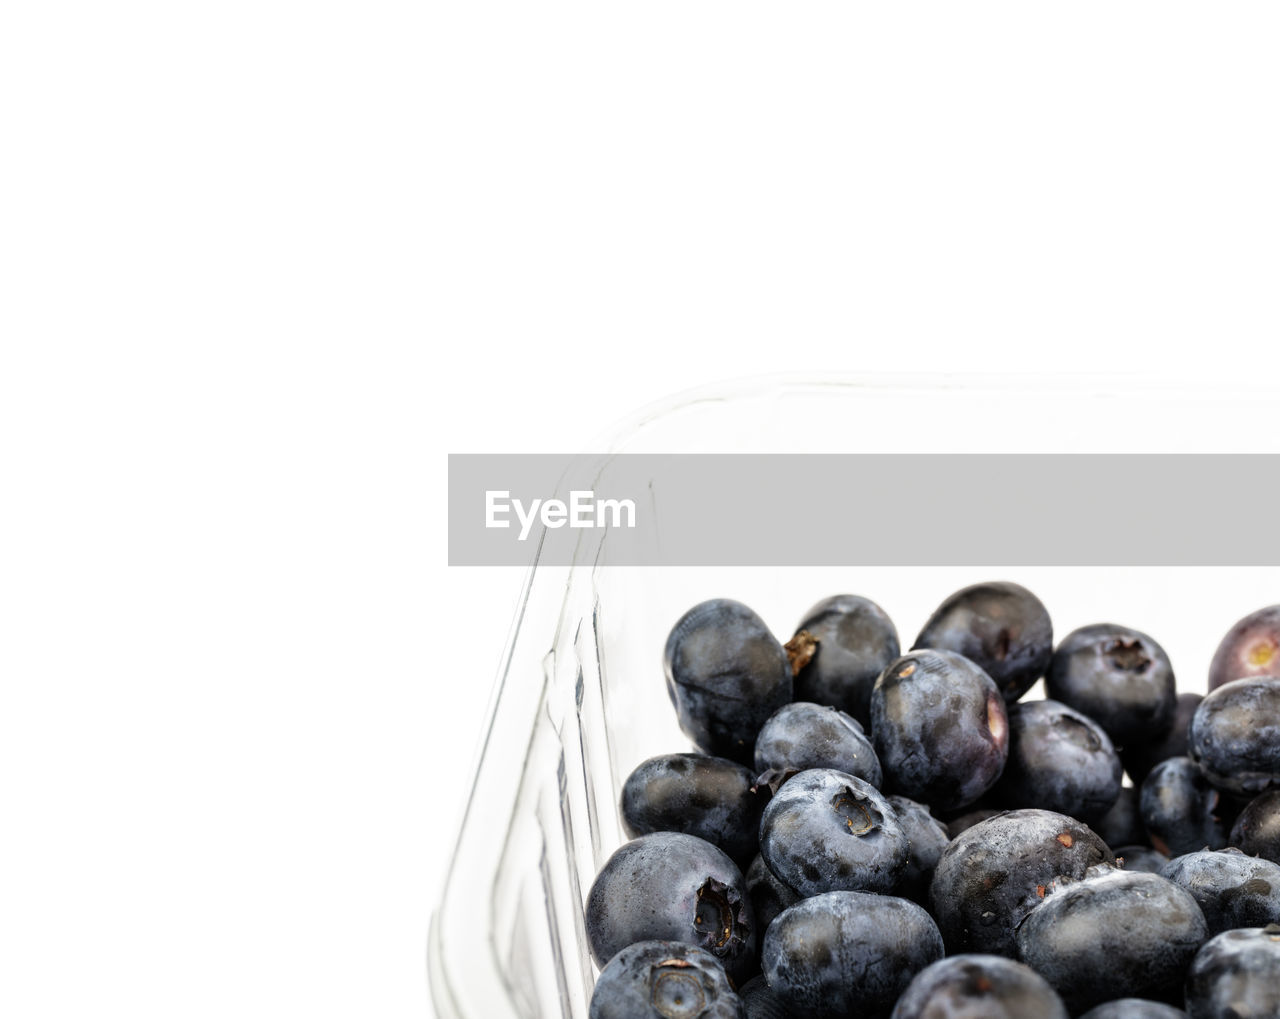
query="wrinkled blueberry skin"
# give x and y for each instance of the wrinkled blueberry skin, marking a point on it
(1235, 736)
(769, 896)
(1140, 858)
(1257, 829)
(1115, 934)
(709, 797)
(1122, 824)
(939, 728)
(1233, 890)
(1237, 975)
(847, 953)
(828, 831)
(1140, 757)
(995, 873)
(856, 642)
(726, 674)
(801, 736)
(927, 837)
(669, 886)
(1118, 676)
(1250, 648)
(1059, 760)
(760, 1002)
(1134, 1008)
(978, 987)
(1002, 627)
(662, 979)
(1181, 809)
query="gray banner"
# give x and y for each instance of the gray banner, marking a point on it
(845, 510)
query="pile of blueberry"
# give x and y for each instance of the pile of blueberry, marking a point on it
(865, 833)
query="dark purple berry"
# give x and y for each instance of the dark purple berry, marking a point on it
(710, 797)
(1114, 934)
(1250, 648)
(1257, 828)
(672, 887)
(1181, 810)
(1235, 736)
(769, 896)
(1002, 627)
(1117, 676)
(841, 954)
(1233, 890)
(828, 831)
(1059, 760)
(1140, 756)
(927, 837)
(726, 674)
(801, 736)
(992, 875)
(664, 980)
(979, 987)
(940, 729)
(1122, 824)
(1236, 976)
(849, 642)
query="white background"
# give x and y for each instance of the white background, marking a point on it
(262, 265)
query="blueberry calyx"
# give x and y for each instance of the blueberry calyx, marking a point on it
(721, 918)
(1261, 654)
(859, 816)
(773, 779)
(800, 650)
(1075, 731)
(1128, 655)
(676, 992)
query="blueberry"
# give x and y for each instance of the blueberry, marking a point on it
(1235, 735)
(940, 729)
(1002, 627)
(995, 873)
(1122, 824)
(801, 736)
(1059, 760)
(672, 887)
(760, 1002)
(769, 896)
(1233, 890)
(664, 980)
(847, 953)
(709, 797)
(1181, 809)
(1141, 756)
(1140, 858)
(1114, 934)
(1257, 829)
(1237, 976)
(927, 837)
(1250, 648)
(826, 831)
(978, 987)
(850, 641)
(726, 674)
(1120, 677)
(1134, 1008)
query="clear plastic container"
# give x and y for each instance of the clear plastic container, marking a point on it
(580, 699)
